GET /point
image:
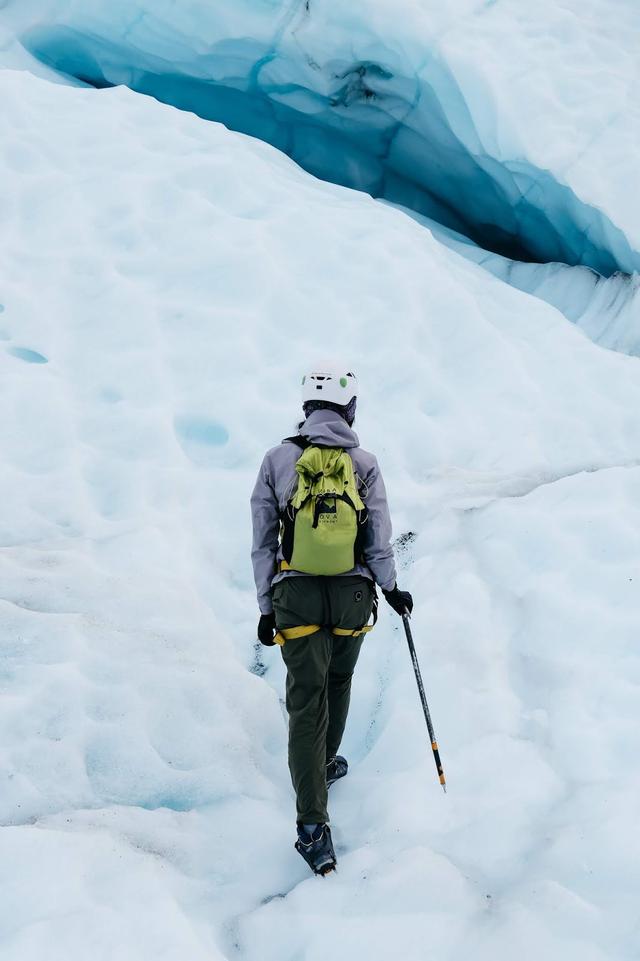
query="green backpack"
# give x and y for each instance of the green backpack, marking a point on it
(323, 522)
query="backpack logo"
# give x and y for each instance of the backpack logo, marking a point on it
(328, 511)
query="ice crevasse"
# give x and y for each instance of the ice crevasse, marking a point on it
(470, 126)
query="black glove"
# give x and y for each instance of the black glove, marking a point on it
(401, 601)
(266, 629)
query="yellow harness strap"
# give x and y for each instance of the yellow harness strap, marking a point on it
(345, 632)
(291, 633)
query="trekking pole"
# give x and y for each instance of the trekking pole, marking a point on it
(425, 707)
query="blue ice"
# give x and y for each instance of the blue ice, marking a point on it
(371, 125)
(195, 429)
(29, 356)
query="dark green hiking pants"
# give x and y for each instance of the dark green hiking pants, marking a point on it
(319, 671)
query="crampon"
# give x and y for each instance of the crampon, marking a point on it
(317, 849)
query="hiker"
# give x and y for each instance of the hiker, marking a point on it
(321, 542)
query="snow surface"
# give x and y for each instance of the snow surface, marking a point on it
(163, 283)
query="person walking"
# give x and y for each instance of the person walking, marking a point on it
(321, 542)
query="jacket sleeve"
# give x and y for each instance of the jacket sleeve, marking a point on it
(265, 519)
(378, 552)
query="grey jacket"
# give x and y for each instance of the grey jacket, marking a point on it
(276, 481)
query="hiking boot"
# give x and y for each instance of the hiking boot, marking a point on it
(317, 848)
(337, 767)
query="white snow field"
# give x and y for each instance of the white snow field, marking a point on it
(163, 284)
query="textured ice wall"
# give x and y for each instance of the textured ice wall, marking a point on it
(349, 107)
(607, 309)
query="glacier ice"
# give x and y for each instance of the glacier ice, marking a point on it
(607, 309)
(176, 276)
(402, 122)
(368, 123)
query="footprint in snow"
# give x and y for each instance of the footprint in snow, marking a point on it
(27, 355)
(200, 437)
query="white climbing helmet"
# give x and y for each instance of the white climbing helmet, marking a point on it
(330, 382)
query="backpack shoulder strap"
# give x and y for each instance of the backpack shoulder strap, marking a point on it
(298, 440)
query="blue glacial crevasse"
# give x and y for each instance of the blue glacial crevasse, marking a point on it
(407, 139)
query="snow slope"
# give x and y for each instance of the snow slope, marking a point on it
(163, 283)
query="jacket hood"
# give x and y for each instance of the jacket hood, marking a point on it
(328, 428)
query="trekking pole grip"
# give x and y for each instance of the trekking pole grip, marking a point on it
(406, 617)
